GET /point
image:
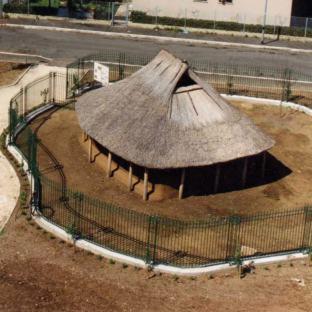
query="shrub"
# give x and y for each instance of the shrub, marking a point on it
(142, 17)
(22, 8)
(15, 7)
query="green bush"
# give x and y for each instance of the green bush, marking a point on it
(22, 8)
(15, 8)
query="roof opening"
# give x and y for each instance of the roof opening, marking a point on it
(185, 81)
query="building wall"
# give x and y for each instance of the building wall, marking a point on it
(248, 11)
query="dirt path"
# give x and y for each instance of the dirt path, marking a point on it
(289, 189)
(9, 72)
(41, 273)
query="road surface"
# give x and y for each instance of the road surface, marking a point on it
(65, 47)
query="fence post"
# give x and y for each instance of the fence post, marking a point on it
(156, 226)
(306, 27)
(127, 14)
(10, 123)
(66, 83)
(23, 90)
(307, 232)
(50, 87)
(233, 238)
(54, 87)
(148, 243)
(153, 222)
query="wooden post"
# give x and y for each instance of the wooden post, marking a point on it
(181, 187)
(84, 137)
(145, 184)
(217, 178)
(244, 176)
(109, 165)
(130, 178)
(264, 156)
(90, 149)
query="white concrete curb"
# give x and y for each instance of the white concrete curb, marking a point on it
(86, 245)
(25, 55)
(159, 39)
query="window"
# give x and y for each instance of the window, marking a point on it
(226, 2)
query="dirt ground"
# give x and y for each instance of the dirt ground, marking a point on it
(41, 273)
(291, 130)
(9, 72)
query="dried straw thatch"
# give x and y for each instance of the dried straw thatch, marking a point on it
(164, 116)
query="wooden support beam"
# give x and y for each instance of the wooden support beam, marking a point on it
(84, 137)
(145, 190)
(263, 167)
(109, 165)
(90, 149)
(217, 178)
(244, 175)
(130, 178)
(181, 187)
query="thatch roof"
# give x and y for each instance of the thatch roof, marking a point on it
(164, 116)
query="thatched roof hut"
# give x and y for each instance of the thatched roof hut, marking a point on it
(164, 116)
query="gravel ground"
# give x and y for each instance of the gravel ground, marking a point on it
(40, 273)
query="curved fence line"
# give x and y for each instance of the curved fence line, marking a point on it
(284, 84)
(154, 239)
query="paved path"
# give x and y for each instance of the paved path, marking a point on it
(9, 183)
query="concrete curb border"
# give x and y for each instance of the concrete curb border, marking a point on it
(115, 35)
(98, 250)
(19, 57)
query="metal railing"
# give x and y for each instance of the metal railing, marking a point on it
(282, 84)
(154, 239)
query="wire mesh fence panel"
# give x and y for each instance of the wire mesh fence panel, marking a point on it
(17, 103)
(266, 234)
(24, 142)
(59, 88)
(265, 82)
(53, 204)
(38, 93)
(185, 244)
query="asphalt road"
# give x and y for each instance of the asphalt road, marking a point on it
(65, 47)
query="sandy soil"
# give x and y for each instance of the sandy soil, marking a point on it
(291, 188)
(40, 273)
(9, 72)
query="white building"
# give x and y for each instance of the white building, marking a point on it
(241, 11)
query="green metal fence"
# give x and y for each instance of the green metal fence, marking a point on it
(154, 239)
(264, 82)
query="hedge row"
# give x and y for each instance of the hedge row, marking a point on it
(23, 9)
(142, 17)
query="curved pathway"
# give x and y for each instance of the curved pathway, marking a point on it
(9, 183)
